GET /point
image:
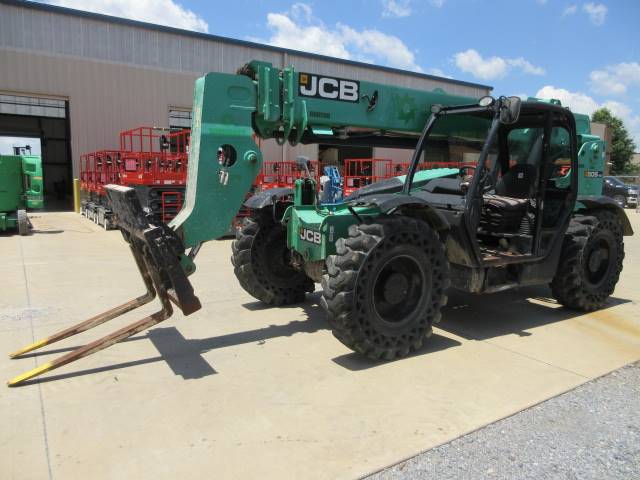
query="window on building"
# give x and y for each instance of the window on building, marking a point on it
(179, 119)
(32, 106)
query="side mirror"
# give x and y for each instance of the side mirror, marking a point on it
(486, 101)
(301, 160)
(510, 110)
(303, 164)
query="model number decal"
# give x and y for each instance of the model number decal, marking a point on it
(331, 88)
(310, 236)
(593, 173)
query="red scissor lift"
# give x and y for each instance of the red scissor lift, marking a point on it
(277, 174)
(360, 172)
(152, 160)
(97, 169)
(155, 162)
(284, 174)
(86, 173)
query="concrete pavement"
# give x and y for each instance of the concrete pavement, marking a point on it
(239, 391)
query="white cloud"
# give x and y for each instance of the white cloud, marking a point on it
(302, 10)
(491, 68)
(597, 12)
(437, 72)
(631, 121)
(437, 3)
(569, 10)
(615, 79)
(299, 30)
(525, 66)
(396, 8)
(308, 38)
(485, 68)
(580, 102)
(541, 2)
(161, 12)
(619, 109)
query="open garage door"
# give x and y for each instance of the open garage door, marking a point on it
(47, 119)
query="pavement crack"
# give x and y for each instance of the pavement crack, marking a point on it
(568, 370)
(35, 361)
(463, 334)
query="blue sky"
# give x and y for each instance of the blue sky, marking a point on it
(587, 53)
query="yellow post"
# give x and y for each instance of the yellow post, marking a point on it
(76, 195)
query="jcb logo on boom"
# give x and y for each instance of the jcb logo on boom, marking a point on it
(310, 236)
(329, 87)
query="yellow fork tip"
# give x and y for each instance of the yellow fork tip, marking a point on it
(28, 348)
(30, 374)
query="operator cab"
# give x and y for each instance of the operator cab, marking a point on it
(516, 187)
(528, 192)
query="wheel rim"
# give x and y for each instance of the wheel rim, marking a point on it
(597, 261)
(398, 288)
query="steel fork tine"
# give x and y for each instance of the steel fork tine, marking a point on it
(101, 318)
(107, 340)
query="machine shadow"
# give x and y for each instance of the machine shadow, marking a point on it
(514, 312)
(482, 317)
(46, 232)
(184, 356)
(469, 316)
(356, 362)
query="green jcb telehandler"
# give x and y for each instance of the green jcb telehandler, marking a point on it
(526, 194)
(21, 188)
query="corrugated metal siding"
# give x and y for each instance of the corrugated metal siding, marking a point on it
(62, 34)
(106, 98)
(122, 76)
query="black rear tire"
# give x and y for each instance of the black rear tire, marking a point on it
(385, 287)
(23, 222)
(591, 261)
(261, 262)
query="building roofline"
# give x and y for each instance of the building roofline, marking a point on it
(231, 41)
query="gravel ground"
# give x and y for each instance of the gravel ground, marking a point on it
(592, 432)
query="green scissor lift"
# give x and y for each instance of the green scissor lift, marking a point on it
(21, 188)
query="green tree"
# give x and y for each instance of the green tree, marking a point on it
(622, 146)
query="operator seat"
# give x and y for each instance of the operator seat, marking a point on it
(504, 210)
(519, 182)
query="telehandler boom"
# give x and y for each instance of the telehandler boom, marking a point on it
(527, 192)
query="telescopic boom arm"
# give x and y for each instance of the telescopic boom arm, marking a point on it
(229, 111)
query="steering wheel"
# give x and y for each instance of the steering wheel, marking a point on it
(487, 181)
(466, 176)
(464, 170)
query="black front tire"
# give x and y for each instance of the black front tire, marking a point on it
(261, 262)
(385, 287)
(590, 262)
(23, 222)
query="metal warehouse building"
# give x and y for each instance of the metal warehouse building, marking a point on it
(77, 79)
